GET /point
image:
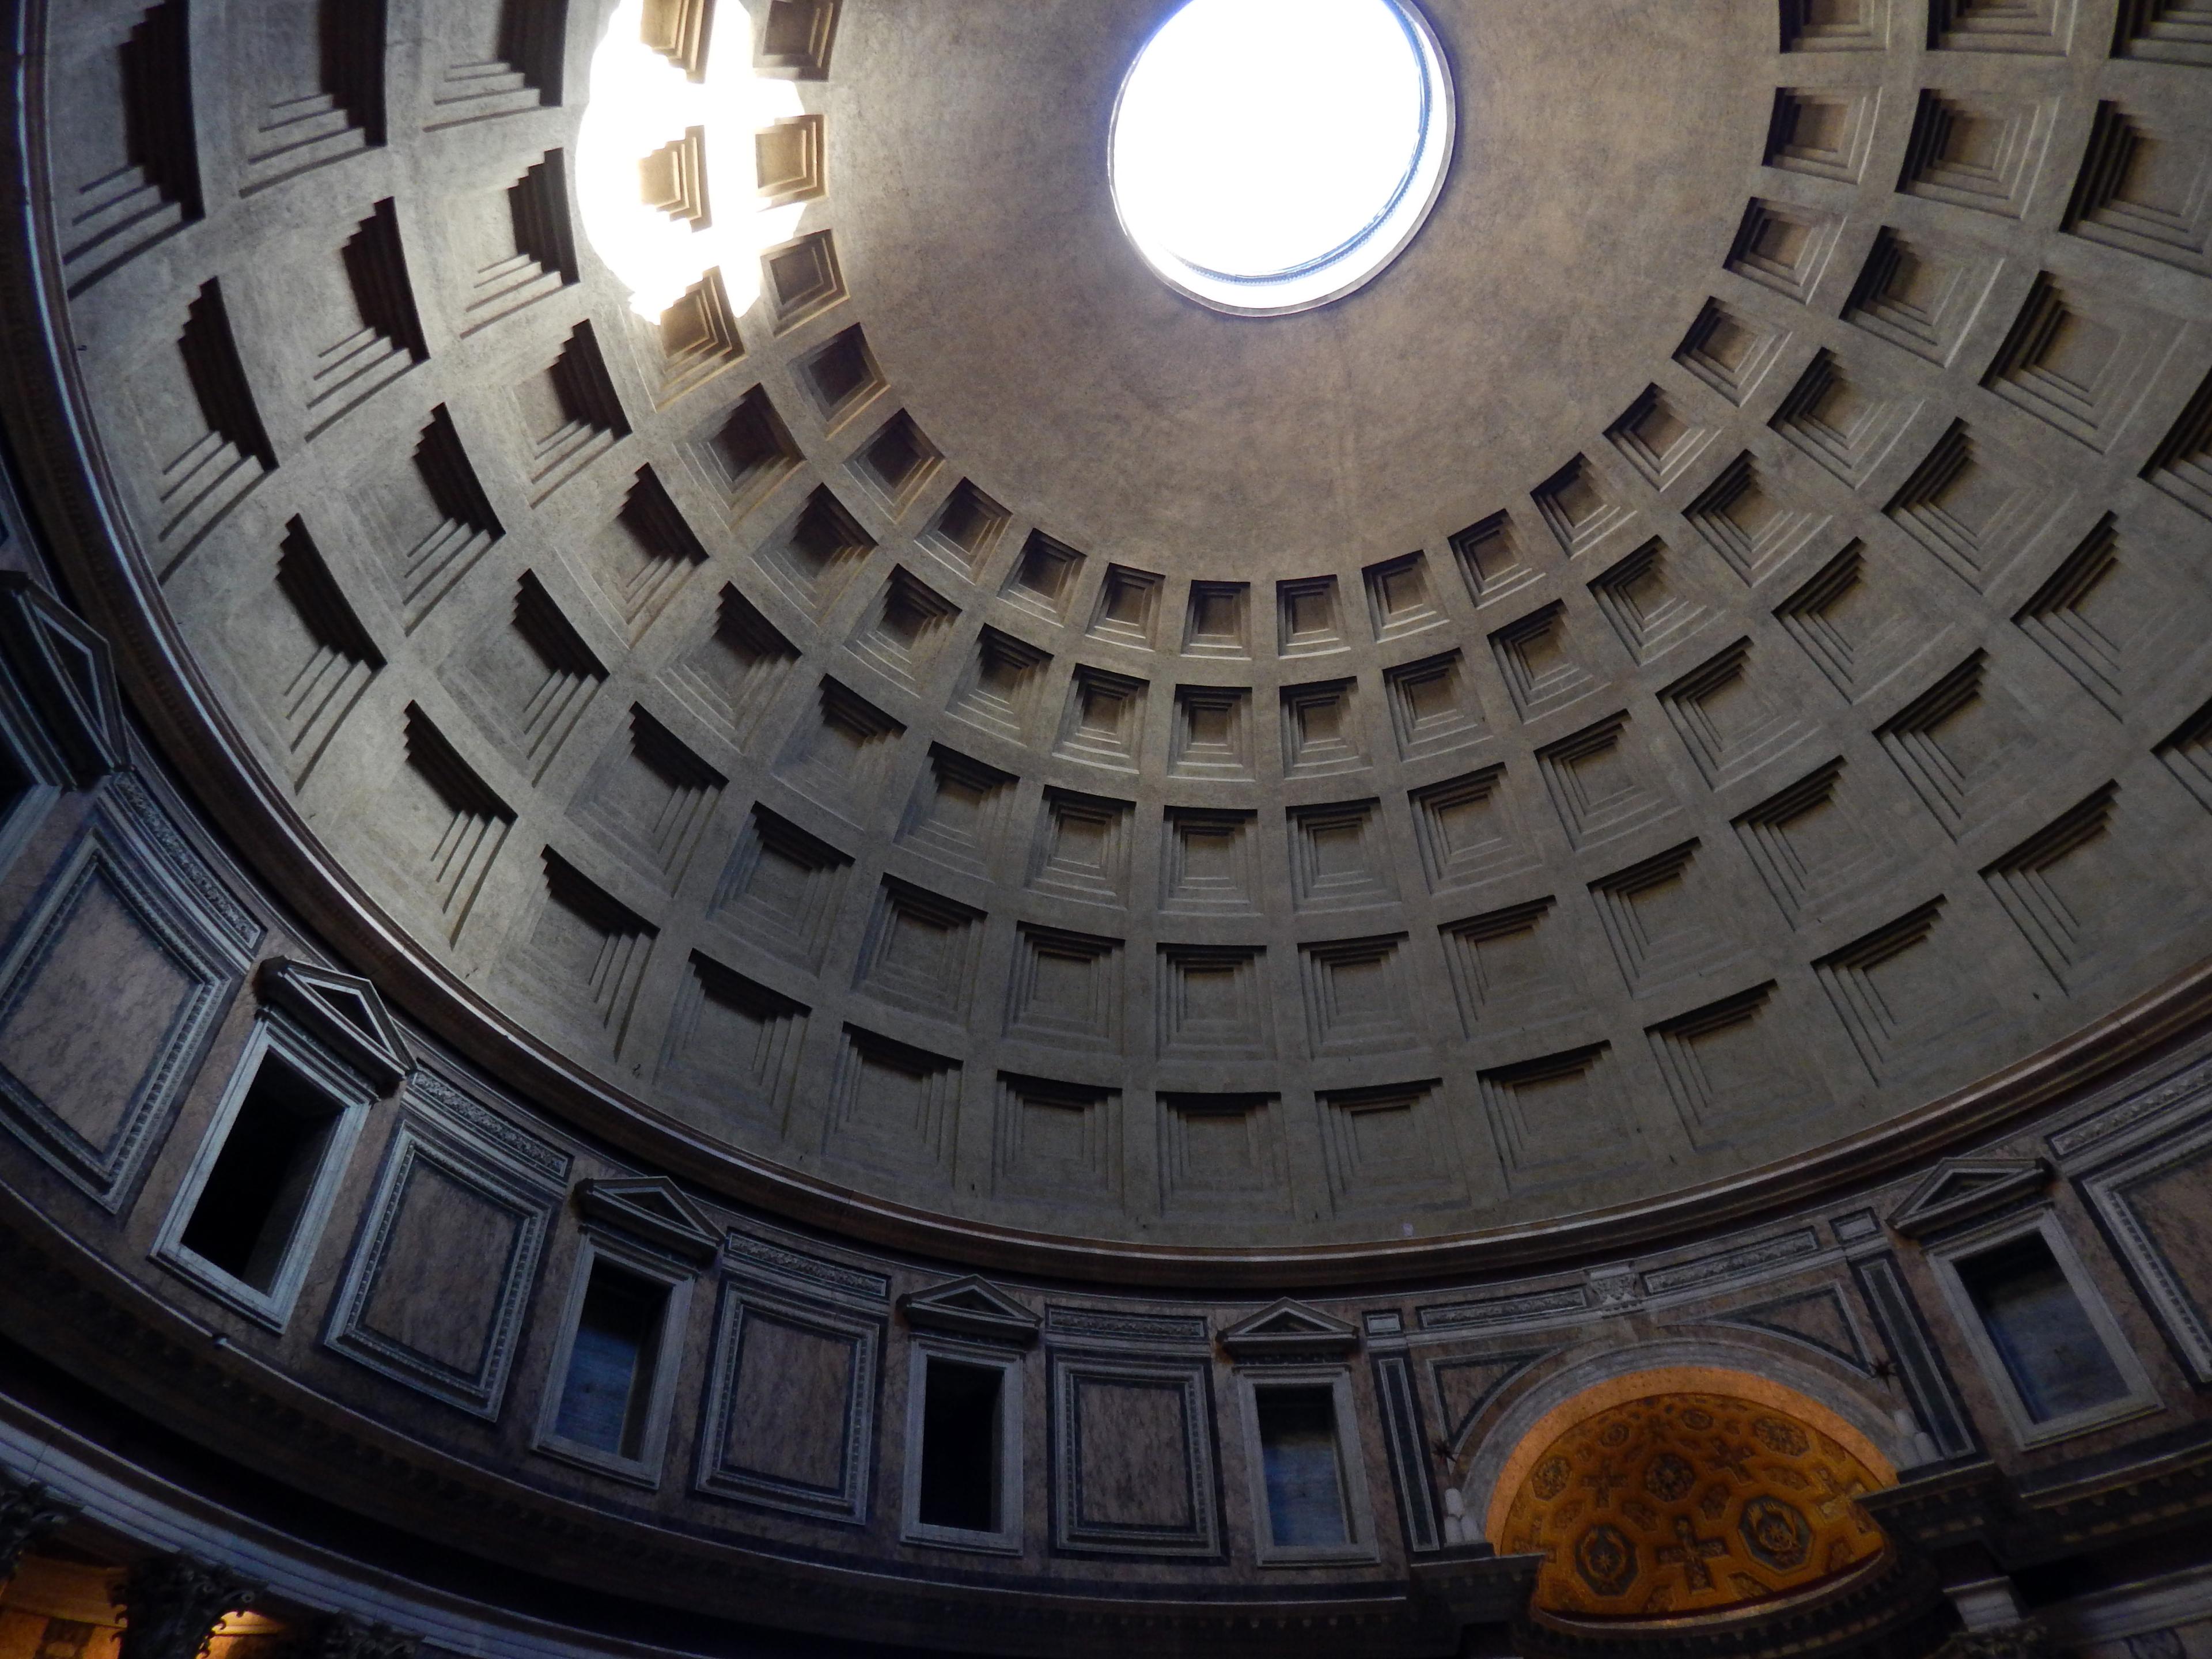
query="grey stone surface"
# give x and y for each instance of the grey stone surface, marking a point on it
(1701, 663)
(1751, 781)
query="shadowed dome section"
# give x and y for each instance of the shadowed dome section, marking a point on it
(1269, 155)
(1679, 1504)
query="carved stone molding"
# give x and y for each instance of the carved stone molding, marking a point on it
(342, 1636)
(345, 1012)
(653, 1209)
(173, 1603)
(968, 1307)
(1963, 1189)
(2026, 1640)
(28, 1514)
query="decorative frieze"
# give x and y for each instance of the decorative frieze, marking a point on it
(1567, 1300)
(797, 1270)
(1743, 1261)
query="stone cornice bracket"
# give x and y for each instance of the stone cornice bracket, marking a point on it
(65, 669)
(172, 1605)
(2026, 1640)
(1963, 1189)
(29, 1515)
(1477, 1591)
(968, 1307)
(1290, 1330)
(342, 1636)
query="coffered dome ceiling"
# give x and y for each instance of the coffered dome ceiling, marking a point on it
(1666, 692)
(1592, 190)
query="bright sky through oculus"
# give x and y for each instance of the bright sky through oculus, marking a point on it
(1270, 154)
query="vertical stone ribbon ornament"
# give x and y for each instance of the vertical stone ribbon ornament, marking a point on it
(28, 1514)
(172, 1605)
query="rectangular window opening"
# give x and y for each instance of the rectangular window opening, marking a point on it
(16, 783)
(250, 1207)
(960, 1439)
(2058, 1364)
(1298, 1457)
(607, 1396)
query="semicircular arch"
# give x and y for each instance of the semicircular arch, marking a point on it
(1687, 1492)
(1852, 1415)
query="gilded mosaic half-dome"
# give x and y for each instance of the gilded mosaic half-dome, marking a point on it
(1680, 1503)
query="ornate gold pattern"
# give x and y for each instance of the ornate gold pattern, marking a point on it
(1689, 1503)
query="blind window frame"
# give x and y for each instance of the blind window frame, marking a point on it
(658, 1369)
(2027, 1428)
(1359, 1543)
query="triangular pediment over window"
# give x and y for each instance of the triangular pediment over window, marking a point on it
(343, 1012)
(1288, 1328)
(1961, 1189)
(968, 1307)
(652, 1209)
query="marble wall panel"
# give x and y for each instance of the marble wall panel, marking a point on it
(442, 1271)
(1132, 1446)
(792, 1406)
(2153, 1203)
(118, 927)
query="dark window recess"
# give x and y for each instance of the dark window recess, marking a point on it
(246, 1213)
(1297, 1451)
(960, 1447)
(16, 782)
(2040, 1329)
(609, 1387)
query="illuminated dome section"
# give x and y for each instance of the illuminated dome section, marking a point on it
(672, 122)
(1270, 155)
(866, 698)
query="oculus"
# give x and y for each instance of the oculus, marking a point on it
(1271, 155)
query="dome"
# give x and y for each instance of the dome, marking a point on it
(1553, 733)
(1017, 826)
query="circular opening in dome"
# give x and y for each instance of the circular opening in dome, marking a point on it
(1269, 155)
